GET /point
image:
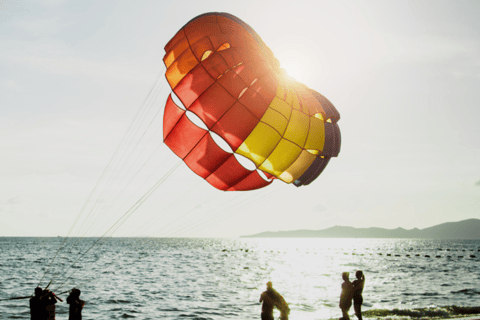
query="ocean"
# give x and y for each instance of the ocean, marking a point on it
(189, 278)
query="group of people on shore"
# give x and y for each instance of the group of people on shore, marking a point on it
(42, 304)
(350, 291)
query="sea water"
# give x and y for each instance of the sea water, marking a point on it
(187, 278)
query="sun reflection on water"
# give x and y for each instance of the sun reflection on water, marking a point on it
(305, 270)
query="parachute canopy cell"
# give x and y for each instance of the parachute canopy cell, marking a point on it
(221, 71)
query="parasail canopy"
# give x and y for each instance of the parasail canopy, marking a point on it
(224, 75)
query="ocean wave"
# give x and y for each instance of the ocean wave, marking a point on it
(423, 313)
(467, 291)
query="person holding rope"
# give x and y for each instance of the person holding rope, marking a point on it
(49, 300)
(271, 298)
(76, 305)
(37, 309)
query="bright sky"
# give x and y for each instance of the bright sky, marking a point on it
(404, 75)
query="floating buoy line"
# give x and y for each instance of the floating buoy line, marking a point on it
(396, 255)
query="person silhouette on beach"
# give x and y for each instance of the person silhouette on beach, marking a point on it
(271, 298)
(358, 285)
(76, 305)
(49, 300)
(37, 309)
(346, 296)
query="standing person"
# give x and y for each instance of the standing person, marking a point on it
(49, 300)
(358, 285)
(346, 296)
(76, 305)
(267, 297)
(271, 298)
(37, 309)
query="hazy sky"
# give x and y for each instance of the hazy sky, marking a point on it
(404, 75)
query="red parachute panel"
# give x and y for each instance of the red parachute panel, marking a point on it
(232, 173)
(206, 157)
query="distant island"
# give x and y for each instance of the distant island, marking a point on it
(466, 229)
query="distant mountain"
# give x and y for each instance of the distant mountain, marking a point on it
(466, 229)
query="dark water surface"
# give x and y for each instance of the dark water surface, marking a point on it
(186, 278)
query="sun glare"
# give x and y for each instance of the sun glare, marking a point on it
(294, 69)
(295, 64)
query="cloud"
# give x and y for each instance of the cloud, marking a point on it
(478, 183)
(40, 27)
(11, 86)
(319, 208)
(13, 7)
(459, 55)
(3, 4)
(52, 57)
(11, 206)
(43, 215)
(13, 201)
(53, 3)
(427, 48)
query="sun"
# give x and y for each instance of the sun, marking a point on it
(294, 69)
(295, 63)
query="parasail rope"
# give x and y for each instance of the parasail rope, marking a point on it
(101, 177)
(122, 219)
(124, 145)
